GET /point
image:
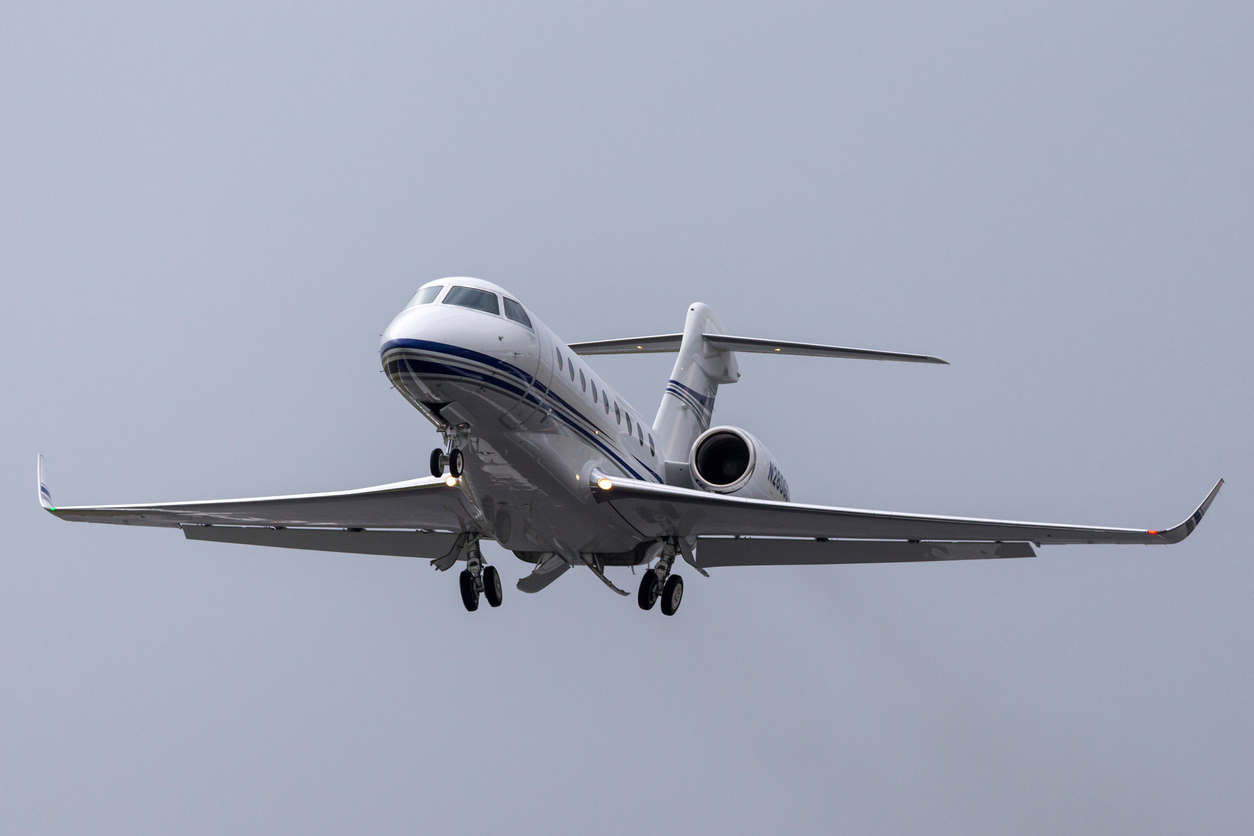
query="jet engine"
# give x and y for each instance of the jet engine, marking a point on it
(731, 461)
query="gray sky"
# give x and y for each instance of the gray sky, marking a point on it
(208, 212)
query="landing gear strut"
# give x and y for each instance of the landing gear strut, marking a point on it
(659, 582)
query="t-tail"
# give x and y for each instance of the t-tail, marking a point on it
(706, 359)
(688, 403)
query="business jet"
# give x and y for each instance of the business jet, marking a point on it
(543, 456)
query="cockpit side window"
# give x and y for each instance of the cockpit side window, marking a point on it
(425, 295)
(473, 298)
(515, 311)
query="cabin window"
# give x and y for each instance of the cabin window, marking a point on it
(572, 371)
(652, 452)
(425, 295)
(628, 423)
(473, 298)
(594, 391)
(515, 311)
(583, 381)
(606, 399)
(618, 413)
(559, 359)
(640, 433)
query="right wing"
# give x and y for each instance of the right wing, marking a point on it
(415, 517)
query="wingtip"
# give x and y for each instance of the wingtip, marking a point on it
(1184, 529)
(45, 496)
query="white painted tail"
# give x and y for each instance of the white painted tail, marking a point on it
(689, 399)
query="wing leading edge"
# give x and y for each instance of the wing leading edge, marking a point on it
(663, 510)
(417, 504)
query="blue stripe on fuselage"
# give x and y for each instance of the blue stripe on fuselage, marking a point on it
(457, 370)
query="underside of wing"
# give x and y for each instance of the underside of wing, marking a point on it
(663, 510)
(776, 551)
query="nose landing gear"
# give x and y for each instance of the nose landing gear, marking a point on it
(455, 461)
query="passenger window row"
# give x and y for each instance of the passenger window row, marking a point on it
(568, 366)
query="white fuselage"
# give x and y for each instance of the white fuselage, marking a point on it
(532, 419)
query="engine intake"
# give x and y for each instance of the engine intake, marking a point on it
(731, 461)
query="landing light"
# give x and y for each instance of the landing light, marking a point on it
(604, 484)
(451, 481)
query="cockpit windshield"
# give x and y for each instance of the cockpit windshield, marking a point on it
(425, 296)
(469, 297)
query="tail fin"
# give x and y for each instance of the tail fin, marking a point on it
(689, 400)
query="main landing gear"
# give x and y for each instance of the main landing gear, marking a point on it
(658, 582)
(478, 579)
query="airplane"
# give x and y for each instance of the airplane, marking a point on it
(547, 459)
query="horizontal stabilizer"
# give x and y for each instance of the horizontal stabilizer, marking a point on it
(660, 344)
(667, 343)
(770, 551)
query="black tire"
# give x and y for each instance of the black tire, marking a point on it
(437, 462)
(672, 594)
(492, 585)
(456, 461)
(648, 590)
(469, 596)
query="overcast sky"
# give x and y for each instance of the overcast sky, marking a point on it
(209, 212)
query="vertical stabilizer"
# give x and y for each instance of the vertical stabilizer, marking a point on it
(689, 400)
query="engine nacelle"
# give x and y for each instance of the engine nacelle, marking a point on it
(731, 461)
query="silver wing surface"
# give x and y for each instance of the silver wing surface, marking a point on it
(417, 517)
(790, 533)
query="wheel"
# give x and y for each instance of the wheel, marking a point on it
(492, 585)
(648, 590)
(469, 596)
(672, 594)
(437, 462)
(456, 461)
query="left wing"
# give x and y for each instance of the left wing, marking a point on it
(663, 510)
(403, 517)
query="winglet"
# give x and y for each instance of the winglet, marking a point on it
(45, 497)
(1184, 529)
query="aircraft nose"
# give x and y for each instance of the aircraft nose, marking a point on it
(428, 323)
